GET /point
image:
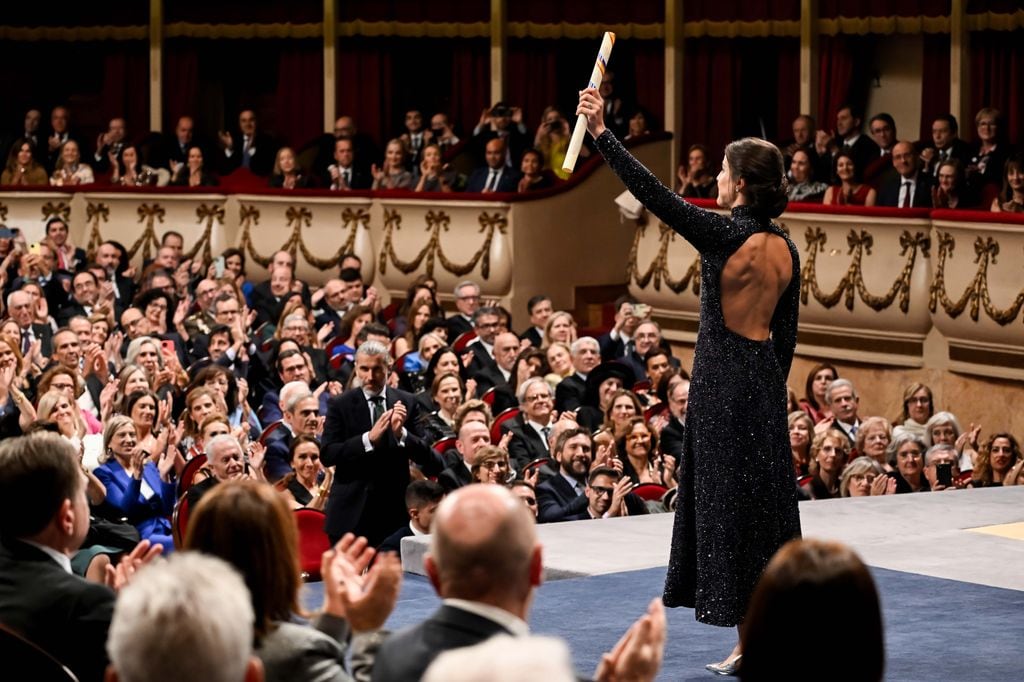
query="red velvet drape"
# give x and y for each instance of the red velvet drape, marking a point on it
(934, 83)
(843, 77)
(299, 96)
(997, 73)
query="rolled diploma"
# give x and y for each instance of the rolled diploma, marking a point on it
(600, 64)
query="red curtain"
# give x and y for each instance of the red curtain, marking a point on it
(749, 10)
(843, 75)
(181, 82)
(935, 82)
(365, 84)
(997, 72)
(299, 95)
(883, 8)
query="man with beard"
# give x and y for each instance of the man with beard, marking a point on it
(563, 497)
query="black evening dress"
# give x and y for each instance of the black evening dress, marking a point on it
(737, 495)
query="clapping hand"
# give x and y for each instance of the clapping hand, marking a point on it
(122, 574)
(883, 485)
(398, 414)
(364, 599)
(619, 492)
(380, 426)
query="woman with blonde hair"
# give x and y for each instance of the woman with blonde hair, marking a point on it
(873, 438)
(560, 327)
(918, 407)
(828, 456)
(491, 466)
(392, 174)
(863, 477)
(57, 408)
(287, 173)
(801, 430)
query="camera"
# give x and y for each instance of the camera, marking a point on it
(944, 474)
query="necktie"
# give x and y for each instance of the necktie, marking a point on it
(492, 181)
(545, 432)
(246, 156)
(347, 175)
(853, 430)
(26, 341)
(906, 194)
(376, 407)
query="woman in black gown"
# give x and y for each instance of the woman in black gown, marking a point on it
(737, 491)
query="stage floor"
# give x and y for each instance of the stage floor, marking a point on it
(974, 536)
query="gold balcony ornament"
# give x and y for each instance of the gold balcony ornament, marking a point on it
(658, 268)
(51, 210)
(209, 215)
(150, 214)
(353, 219)
(977, 293)
(438, 222)
(249, 216)
(852, 284)
(3, 211)
(95, 214)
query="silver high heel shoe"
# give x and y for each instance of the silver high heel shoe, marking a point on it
(730, 668)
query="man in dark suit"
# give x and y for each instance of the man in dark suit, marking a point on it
(539, 308)
(173, 151)
(22, 310)
(472, 436)
(467, 300)
(908, 187)
(497, 374)
(247, 147)
(299, 417)
(485, 324)
(108, 257)
(946, 145)
(849, 137)
(344, 174)
(44, 517)
(563, 497)
(267, 298)
(531, 428)
(60, 132)
(85, 292)
(670, 441)
(367, 440)
(882, 127)
(421, 501)
(495, 176)
(613, 344)
(586, 355)
(485, 562)
(503, 123)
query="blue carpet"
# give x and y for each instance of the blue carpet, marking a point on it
(935, 629)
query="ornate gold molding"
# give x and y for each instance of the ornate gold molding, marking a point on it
(151, 214)
(95, 214)
(210, 214)
(249, 216)
(658, 269)
(298, 217)
(436, 223)
(50, 210)
(977, 293)
(3, 211)
(852, 283)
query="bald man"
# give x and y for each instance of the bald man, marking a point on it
(485, 563)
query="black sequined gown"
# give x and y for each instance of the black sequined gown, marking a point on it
(737, 497)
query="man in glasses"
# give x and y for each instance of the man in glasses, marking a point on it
(467, 300)
(608, 495)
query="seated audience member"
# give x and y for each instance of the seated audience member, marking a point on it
(943, 427)
(312, 482)
(552, 141)
(641, 460)
(421, 500)
(863, 477)
(485, 562)
(918, 407)
(873, 439)
(801, 430)
(432, 175)
(609, 495)
(909, 187)
(947, 192)
(287, 173)
(491, 465)
(638, 125)
(1011, 199)
(193, 172)
(504, 123)
(529, 363)
(443, 134)
(473, 435)
(995, 460)
(843, 402)
(941, 467)
(804, 131)
(70, 169)
(22, 168)
(813, 402)
(534, 175)
(813, 572)
(225, 461)
(467, 300)
(883, 131)
(603, 383)
(695, 179)
(562, 497)
(416, 137)
(908, 452)
(848, 138)
(828, 457)
(586, 355)
(392, 174)
(803, 185)
(673, 422)
(526, 492)
(128, 170)
(154, 635)
(532, 427)
(989, 153)
(495, 176)
(137, 487)
(497, 375)
(300, 416)
(559, 357)
(628, 316)
(539, 309)
(448, 392)
(247, 147)
(345, 174)
(620, 411)
(851, 190)
(560, 327)
(249, 525)
(946, 146)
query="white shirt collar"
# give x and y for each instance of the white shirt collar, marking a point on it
(514, 624)
(572, 481)
(415, 530)
(62, 559)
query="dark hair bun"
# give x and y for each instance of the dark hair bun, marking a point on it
(759, 163)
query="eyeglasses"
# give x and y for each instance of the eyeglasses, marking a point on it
(919, 401)
(529, 500)
(496, 465)
(535, 398)
(602, 491)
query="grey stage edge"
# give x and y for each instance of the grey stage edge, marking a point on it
(924, 533)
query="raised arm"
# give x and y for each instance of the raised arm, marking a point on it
(704, 229)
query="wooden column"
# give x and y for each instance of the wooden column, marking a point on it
(498, 40)
(959, 65)
(330, 62)
(809, 58)
(156, 65)
(674, 82)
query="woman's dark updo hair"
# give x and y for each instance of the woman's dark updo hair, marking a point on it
(759, 163)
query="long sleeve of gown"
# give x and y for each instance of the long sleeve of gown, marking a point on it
(704, 229)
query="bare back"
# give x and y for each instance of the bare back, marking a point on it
(753, 280)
